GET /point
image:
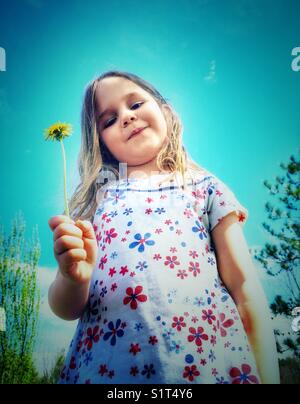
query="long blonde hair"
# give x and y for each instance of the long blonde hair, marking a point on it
(94, 156)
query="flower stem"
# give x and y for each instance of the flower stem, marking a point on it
(65, 179)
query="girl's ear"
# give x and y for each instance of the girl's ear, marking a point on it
(167, 112)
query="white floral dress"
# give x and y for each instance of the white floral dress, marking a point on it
(158, 311)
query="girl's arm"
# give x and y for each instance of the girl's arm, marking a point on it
(239, 275)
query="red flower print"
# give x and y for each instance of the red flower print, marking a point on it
(102, 370)
(194, 254)
(224, 324)
(134, 296)
(134, 371)
(92, 336)
(171, 261)
(124, 270)
(135, 348)
(197, 335)
(182, 274)
(148, 211)
(243, 376)
(79, 346)
(194, 267)
(214, 372)
(157, 257)
(213, 340)
(112, 271)
(113, 287)
(103, 261)
(242, 217)
(208, 316)
(72, 364)
(109, 235)
(199, 194)
(153, 340)
(98, 237)
(188, 213)
(178, 323)
(191, 372)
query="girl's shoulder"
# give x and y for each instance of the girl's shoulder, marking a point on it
(200, 175)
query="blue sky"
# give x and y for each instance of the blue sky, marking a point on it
(225, 65)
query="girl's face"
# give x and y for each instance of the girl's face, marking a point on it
(126, 107)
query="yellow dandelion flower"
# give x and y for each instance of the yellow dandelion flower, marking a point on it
(58, 131)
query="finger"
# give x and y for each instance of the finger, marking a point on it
(56, 220)
(68, 230)
(71, 256)
(65, 243)
(87, 229)
(89, 238)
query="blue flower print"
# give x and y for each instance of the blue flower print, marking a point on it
(116, 196)
(160, 211)
(201, 229)
(115, 332)
(210, 189)
(221, 380)
(114, 255)
(148, 370)
(141, 241)
(88, 358)
(168, 333)
(128, 211)
(212, 356)
(176, 347)
(99, 211)
(113, 214)
(141, 265)
(103, 291)
(199, 301)
(138, 326)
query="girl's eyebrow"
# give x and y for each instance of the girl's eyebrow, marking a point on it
(125, 96)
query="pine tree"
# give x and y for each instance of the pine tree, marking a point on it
(283, 255)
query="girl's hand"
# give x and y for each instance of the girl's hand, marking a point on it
(75, 248)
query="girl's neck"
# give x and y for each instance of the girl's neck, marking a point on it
(143, 171)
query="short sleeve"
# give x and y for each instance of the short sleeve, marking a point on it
(221, 202)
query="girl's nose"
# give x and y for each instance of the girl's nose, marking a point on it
(129, 117)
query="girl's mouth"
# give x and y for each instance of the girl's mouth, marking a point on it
(136, 132)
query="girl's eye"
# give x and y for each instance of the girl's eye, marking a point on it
(137, 103)
(110, 122)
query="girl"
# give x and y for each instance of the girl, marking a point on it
(162, 282)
